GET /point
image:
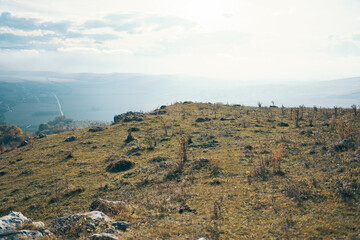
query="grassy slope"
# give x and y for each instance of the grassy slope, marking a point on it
(43, 182)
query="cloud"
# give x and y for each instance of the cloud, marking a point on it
(137, 23)
(8, 20)
(17, 32)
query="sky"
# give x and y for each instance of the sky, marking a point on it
(237, 40)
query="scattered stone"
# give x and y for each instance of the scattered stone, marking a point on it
(104, 236)
(121, 225)
(202, 119)
(96, 129)
(70, 139)
(12, 221)
(282, 124)
(342, 146)
(120, 166)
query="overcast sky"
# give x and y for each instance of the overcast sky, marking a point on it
(227, 39)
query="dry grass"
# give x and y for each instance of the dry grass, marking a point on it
(286, 185)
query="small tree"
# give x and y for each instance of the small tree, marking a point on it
(354, 109)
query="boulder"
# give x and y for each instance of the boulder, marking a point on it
(12, 221)
(129, 116)
(104, 236)
(98, 216)
(21, 234)
(90, 220)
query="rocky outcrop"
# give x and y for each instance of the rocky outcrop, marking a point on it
(12, 221)
(129, 117)
(91, 220)
(96, 129)
(22, 234)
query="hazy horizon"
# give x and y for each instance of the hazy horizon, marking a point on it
(227, 40)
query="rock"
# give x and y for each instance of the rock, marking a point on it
(39, 224)
(342, 146)
(90, 220)
(202, 119)
(227, 119)
(163, 107)
(70, 139)
(42, 135)
(12, 221)
(110, 230)
(282, 124)
(24, 143)
(21, 234)
(120, 166)
(64, 224)
(202, 238)
(121, 225)
(96, 129)
(104, 236)
(129, 116)
(98, 216)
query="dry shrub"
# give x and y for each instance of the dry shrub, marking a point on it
(261, 170)
(344, 127)
(298, 190)
(214, 167)
(112, 208)
(276, 159)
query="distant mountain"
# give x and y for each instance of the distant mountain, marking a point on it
(29, 98)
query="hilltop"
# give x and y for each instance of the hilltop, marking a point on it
(192, 170)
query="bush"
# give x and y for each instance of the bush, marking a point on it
(119, 166)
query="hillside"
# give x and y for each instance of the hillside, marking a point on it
(28, 99)
(200, 170)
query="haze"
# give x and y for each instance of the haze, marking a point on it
(240, 40)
